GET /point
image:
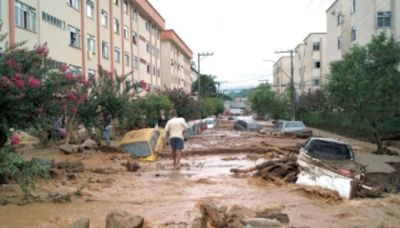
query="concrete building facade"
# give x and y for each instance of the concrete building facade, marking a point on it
(177, 68)
(351, 22)
(281, 75)
(122, 36)
(314, 63)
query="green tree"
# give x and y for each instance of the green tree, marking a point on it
(207, 86)
(367, 82)
(150, 106)
(183, 103)
(264, 101)
(212, 106)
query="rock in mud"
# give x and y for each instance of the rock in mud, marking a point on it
(198, 223)
(106, 171)
(71, 166)
(80, 223)
(45, 163)
(213, 214)
(69, 149)
(3, 202)
(60, 198)
(241, 212)
(122, 219)
(132, 166)
(273, 212)
(89, 144)
(261, 223)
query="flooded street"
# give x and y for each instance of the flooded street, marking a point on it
(166, 197)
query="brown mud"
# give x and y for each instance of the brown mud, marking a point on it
(167, 197)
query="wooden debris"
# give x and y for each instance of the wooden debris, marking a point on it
(281, 170)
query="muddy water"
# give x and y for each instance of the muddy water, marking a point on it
(167, 196)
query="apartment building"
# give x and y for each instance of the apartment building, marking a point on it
(177, 68)
(281, 74)
(351, 22)
(313, 64)
(122, 36)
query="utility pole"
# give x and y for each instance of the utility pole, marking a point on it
(198, 68)
(292, 89)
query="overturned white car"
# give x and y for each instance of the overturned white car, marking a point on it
(329, 164)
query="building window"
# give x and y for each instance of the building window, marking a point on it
(74, 36)
(317, 64)
(134, 37)
(147, 25)
(91, 44)
(316, 82)
(104, 18)
(339, 18)
(116, 25)
(353, 34)
(127, 59)
(136, 62)
(25, 16)
(384, 19)
(126, 32)
(53, 20)
(105, 50)
(115, 2)
(134, 14)
(147, 47)
(148, 68)
(316, 46)
(117, 55)
(126, 8)
(90, 8)
(353, 6)
(74, 4)
(339, 43)
(154, 70)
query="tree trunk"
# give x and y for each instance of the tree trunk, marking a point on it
(3, 137)
(378, 141)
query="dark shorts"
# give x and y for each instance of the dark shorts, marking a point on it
(176, 143)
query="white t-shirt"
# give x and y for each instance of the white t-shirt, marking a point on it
(175, 127)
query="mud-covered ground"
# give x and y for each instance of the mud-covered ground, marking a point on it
(166, 197)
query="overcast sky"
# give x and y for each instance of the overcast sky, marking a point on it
(242, 33)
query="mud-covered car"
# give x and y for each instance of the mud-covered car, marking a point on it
(143, 144)
(330, 164)
(292, 128)
(246, 125)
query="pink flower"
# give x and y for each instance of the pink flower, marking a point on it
(85, 82)
(71, 96)
(33, 82)
(69, 76)
(64, 68)
(42, 50)
(19, 82)
(11, 63)
(82, 98)
(74, 110)
(15, 139)
(5, 82)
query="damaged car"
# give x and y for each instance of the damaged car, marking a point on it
(329, 163)
(293, 128)
(144, 144)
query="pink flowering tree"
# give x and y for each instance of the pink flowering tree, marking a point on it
(109, 95)
(34, 88)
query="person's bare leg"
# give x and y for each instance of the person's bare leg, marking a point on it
(178, 158)
(174, 157)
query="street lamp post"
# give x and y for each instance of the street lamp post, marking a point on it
(198, 68)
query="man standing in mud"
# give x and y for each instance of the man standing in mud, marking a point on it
(174, 130)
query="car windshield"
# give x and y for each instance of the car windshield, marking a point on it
(138, 149)
(294, 124)
(327, 150)
(252, 125)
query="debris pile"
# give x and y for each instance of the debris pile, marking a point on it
(281, 170)
(239, 216)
